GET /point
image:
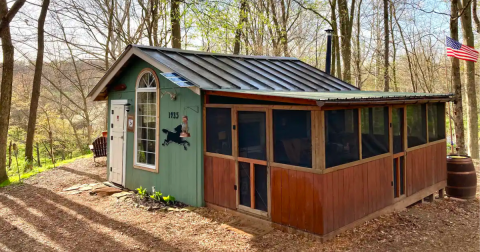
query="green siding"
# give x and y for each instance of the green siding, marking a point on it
(180, 171)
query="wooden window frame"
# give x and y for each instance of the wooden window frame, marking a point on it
(136, 165)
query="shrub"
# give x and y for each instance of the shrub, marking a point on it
(156, 196)
(142, 192)
(169, 199)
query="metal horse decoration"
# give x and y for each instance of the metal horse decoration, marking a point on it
(175, 137)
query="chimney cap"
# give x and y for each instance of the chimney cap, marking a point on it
(329, 31)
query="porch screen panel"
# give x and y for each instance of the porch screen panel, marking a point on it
(219, 130)
(292, 137)
(416, 125)
(341, 137)
(261, 192)
(374, 131)
(244, 180)
(436, 121)
(398, 133)
(252, 135)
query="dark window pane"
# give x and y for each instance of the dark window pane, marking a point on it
(436, 121)
(292, 137)
(219, 130)
(374, 131)
(252, 135)
(397, 121)
(395, 178)
(244, 180)
(341, 137)
(151, 158)
(402, 176)
(261, 200)
(416, 125)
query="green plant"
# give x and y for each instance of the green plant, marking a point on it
(169, 199)
(157, 196)
(142, 192)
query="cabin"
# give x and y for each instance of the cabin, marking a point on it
(269, 137)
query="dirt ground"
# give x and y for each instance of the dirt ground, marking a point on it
(39, 216)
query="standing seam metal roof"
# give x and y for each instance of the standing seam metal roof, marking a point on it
(221, 71)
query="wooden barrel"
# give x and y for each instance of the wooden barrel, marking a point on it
(461, 177)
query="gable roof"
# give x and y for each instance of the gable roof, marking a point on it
(234, 72)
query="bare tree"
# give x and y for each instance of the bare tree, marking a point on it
(242, 19)
(37, 79)
(6, 16)
(472, 110)
(175, 19)
(386, 44)
(346, 15)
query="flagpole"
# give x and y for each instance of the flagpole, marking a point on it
(448, 104)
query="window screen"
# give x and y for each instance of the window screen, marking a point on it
(244, 180)
(416, 125)
(261, 200)
(374, 131)
(436, 121)
(219, 130)
(252, 135)
(397, 125)
(292, 138)
(341, 137)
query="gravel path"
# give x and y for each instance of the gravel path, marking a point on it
(39, 216)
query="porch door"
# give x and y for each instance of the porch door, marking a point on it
(252, 168)
(117, 131)
(399, 150)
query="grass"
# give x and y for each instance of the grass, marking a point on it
(13, 174)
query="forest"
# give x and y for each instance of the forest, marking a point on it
(54, 52)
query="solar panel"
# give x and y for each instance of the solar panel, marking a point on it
(177, 79)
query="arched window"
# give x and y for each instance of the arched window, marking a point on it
(146, 112)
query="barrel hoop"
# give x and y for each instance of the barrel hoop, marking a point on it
(470, 172)
(461, 187)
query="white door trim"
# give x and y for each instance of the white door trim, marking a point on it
(124, 170)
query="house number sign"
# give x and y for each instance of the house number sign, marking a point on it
(173, 115)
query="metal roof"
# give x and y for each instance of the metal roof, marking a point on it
(344, 96)
(222, 71)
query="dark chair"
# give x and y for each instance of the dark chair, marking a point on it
(99, 148)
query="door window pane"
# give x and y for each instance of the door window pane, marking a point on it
(261, 200)
(374, 131)
(416, 125)
(397, 121)
(436, 121)
(219, 130)
(252, 135)
(292, 137)
(244, 180)
(341, 137)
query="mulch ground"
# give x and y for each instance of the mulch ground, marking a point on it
(39, 216)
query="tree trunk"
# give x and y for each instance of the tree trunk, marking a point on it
(10, 155)
(175, 19)
(336, 67)
(457, 85)
(475, 15)
(7, 79)
(385, 52)
(358, 76)
(37, 79)
(283, 33)
(346, 19)
(38, 156)
(472, 110)
(242, 19)
(394, 51)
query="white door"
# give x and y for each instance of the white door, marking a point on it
(117, 131)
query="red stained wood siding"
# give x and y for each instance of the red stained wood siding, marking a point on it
(426, 167)
(322, 203)
(219, 181)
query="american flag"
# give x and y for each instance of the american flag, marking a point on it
(457, 50)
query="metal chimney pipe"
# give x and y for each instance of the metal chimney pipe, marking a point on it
(329, 51)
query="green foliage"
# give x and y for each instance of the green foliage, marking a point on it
(169, 199)
(13, 174)
(142, 192)
(157, 196)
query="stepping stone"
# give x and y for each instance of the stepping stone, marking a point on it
(75, 187)
(121, 194)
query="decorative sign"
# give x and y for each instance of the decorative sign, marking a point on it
(174, 137)
(120, 87)
(130, 123)
(173, 115)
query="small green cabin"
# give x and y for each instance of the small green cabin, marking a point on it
(271, 137)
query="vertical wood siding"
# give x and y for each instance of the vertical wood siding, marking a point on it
(425, 167)
(321, 203)
(219, 181)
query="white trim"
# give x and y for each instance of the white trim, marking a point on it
(124, 161)
(119, 63)
(157, 107)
